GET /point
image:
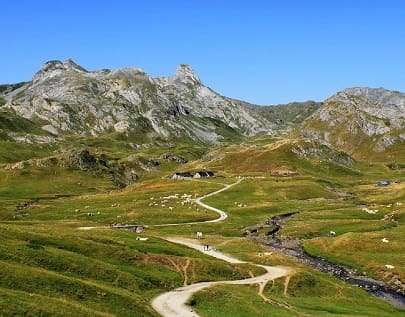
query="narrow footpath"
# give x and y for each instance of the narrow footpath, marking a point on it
(173, 303)
(222, 214)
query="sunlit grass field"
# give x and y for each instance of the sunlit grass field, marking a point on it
(50, 268)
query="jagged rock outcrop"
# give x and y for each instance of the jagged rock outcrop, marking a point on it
(315, 150)
(66, 98)
(119, 173)
(168, 157)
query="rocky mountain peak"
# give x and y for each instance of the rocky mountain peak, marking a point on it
(56, 67)
(377, 96)
(359, 120)
(185, 74)
(70, 65)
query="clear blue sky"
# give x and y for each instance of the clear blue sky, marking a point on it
(264, 52)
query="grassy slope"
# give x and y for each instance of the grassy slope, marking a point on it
(357, 143)
(15, 152)
(94, 271)
(328, 199)
(309, 294)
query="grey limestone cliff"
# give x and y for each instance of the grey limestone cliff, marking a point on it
(66, 98)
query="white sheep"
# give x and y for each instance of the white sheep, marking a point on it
(332, 233)
(389, 266)
(384, 240)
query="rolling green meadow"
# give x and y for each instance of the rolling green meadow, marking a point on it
(48, 267)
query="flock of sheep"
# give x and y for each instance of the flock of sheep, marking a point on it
(183, 200)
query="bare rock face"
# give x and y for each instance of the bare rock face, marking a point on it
(379, 103)
(359, 119)
(315, 150)
(65, 97)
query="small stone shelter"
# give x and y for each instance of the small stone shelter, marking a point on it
(182, 175)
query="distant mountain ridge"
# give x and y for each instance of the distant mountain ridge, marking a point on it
(65, 97)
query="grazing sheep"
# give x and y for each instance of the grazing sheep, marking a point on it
(332, 233)
(171, 208)
(384, 240)
(389, 266)
(90, 214)
(77, 210)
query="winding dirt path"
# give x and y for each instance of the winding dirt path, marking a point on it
(172, 304)
(222, 214)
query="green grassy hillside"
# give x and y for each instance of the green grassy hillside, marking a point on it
(50, 268)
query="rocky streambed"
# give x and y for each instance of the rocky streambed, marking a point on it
(292, 248)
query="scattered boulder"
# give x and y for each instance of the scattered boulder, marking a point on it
(119, 173)
(173, 158)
